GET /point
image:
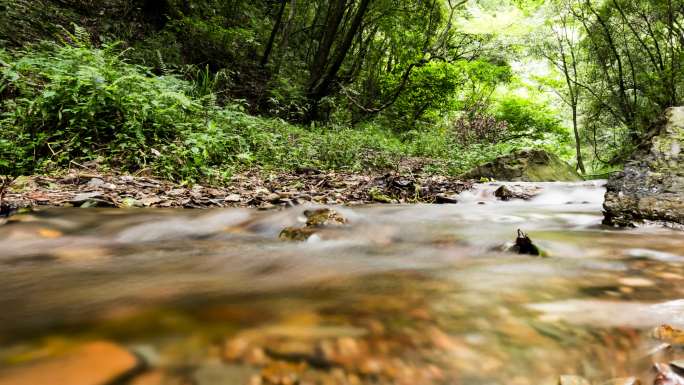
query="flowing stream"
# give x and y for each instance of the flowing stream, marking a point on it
(412, 294)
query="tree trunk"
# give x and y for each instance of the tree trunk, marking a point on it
(333, 18)
(320, 87)
(578, 145)
(274, 33)
(286, 35)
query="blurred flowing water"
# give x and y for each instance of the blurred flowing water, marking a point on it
(424, 293)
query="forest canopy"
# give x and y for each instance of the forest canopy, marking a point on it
(200, 89)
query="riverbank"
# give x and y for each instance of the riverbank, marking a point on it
(256, 189)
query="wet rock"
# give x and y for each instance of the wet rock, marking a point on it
(669, 334)
(506, 193)
(572, 380)
(525, 166)
(651, 186)
(315, 220)
(446, 199)
(96, 363)
(297, 233)
(524, 245)
(324, 217)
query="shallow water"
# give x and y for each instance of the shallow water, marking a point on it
(415, 294)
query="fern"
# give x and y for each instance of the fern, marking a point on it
(162, 65)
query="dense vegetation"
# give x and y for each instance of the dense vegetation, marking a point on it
(196, 90)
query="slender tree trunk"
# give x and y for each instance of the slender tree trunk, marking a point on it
(284, 44)
(578, 145)
(325, 72)
(322, 88)
(274, 33)
(333, 18)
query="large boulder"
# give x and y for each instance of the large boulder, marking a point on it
(526, 166)
(651, 187)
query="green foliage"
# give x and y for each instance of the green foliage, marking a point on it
(529, 119)
(481, 78)
(73, 101)
(207, 41)
(161, 51)
(179, 93)
(234, 140)
(69, 103)
(431, 89)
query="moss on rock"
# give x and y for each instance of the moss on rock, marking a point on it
(526, 166)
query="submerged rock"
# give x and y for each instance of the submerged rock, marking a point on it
(572, 380)
(651, 187)
(297, 233)
(95, 363)
(623, 381)
(215, 373)
(525, 166)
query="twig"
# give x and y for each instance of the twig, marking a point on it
(82, 166)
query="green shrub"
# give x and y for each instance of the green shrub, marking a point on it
(529, 119)
(74, 102)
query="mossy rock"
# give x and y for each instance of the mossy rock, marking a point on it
(298, 234)
(651, 186)
(316, 220)
(378, 196)
(324, 217)
(525, 166)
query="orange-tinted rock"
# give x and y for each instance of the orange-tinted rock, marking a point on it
(96, 363)
(155, 377)
(669, 334)
(235, 348)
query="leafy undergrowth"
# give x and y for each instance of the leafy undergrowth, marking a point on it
(70, 102)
